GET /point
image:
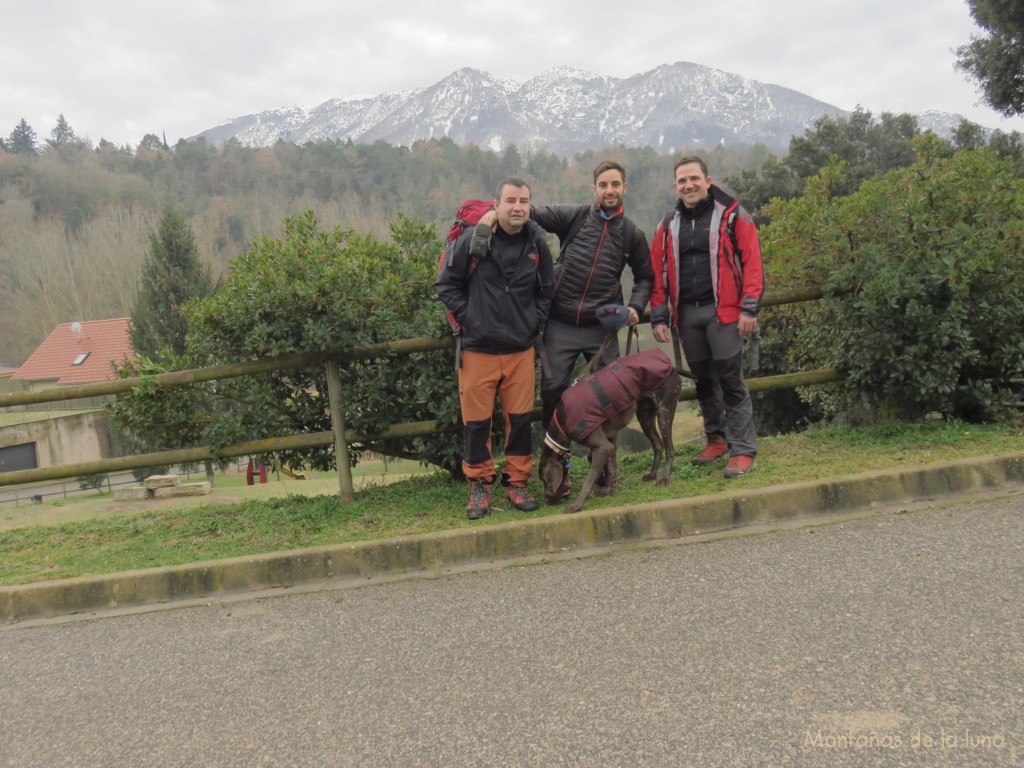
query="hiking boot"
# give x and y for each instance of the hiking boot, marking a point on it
(479, 498)
(739, 465)
(716, 448)
(521, 498)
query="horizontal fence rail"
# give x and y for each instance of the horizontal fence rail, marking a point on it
(339, 437)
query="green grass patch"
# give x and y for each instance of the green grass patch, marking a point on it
(431, 502)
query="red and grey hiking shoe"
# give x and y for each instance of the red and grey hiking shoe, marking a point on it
(521, 498)
(716, 448)
(479, 498)
(739, 465)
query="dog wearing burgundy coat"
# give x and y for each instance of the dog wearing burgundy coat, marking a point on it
(593, 410)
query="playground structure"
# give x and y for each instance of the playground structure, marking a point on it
(258, 468)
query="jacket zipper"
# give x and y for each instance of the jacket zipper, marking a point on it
(590, 277)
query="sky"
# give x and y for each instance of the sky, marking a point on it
(118, 70)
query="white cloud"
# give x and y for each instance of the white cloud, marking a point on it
(118, 70)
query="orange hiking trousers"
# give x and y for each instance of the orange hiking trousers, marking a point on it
(510, 378)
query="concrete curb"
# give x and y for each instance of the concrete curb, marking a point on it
(530, 537)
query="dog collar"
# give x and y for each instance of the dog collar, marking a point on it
(562, 450)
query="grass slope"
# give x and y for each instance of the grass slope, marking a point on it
(431, 502)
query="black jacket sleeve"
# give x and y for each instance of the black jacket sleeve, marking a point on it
(545, 282)
(638, 254)
(450, 283)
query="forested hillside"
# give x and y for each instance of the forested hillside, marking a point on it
(75, 220)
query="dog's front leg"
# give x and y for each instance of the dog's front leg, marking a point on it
(599, 458)
(611, 472)
(647, 415)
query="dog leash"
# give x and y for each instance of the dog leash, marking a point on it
(677, 349)
(592, 362)
(542, 353)
(599, 355)
(631, 334)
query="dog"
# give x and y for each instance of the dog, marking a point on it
(594, 409)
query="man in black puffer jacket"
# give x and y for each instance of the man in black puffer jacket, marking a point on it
(597, 242)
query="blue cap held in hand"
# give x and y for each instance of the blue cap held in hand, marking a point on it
(613, 317)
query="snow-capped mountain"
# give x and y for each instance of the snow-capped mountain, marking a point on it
(564, 111)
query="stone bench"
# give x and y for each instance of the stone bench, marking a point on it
(161, 487)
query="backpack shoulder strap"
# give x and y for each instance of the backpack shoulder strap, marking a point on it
(628, 233)
(666, 227)
(538, 234)
(730, 229)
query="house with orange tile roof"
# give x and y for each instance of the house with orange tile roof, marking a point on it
(78, 353)
(76, 431)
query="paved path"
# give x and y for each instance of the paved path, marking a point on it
(895, 640)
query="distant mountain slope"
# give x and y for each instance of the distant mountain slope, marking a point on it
(563, 111)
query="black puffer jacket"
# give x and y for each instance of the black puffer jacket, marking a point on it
(589, 273)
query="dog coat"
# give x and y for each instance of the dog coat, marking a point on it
(604, 395)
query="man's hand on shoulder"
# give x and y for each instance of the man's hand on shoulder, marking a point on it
(490, 219)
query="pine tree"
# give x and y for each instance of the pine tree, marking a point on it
(171, 275)
(62, 133)
(22, 140)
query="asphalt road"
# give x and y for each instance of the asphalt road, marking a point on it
(896, 640)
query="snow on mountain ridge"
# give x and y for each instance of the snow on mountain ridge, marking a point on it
(563, 110)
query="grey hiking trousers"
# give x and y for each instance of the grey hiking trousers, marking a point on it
(714, 354)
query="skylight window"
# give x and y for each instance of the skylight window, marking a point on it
(80, 359)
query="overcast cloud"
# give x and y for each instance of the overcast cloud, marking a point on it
(119, 70)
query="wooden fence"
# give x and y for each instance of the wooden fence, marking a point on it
(338, 436)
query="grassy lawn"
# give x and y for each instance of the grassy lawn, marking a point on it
(309, 513)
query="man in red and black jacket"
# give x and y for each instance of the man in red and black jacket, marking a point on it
(708, 283)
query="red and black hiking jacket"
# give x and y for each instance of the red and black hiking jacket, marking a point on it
(737, 273)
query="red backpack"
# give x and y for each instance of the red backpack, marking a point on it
(468, 215)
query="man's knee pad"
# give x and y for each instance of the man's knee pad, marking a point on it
(519, 443)
(476, 434)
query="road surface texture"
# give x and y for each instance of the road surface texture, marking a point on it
(890, 640)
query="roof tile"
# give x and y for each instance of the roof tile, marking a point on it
(105, 341)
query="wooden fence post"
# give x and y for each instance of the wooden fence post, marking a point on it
(338, 426)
